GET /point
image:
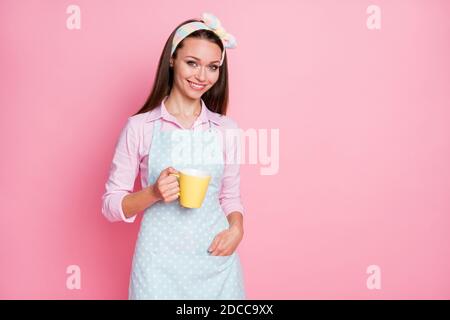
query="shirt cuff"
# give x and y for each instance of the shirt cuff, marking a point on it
(122, 215)
(231, 207)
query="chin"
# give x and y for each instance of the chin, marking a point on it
(194, 94)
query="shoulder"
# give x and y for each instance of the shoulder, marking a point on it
(134, 127)
(138, 118)
(137, 122)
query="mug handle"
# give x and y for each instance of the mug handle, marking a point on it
(178, 177)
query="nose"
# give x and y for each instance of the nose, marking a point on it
(201, 74)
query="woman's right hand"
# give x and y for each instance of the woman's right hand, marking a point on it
(166, 187)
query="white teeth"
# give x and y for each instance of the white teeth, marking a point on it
(196, 86)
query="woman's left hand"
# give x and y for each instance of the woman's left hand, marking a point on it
(226, 241)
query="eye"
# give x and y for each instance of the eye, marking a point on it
(190, 62)
(214, 67)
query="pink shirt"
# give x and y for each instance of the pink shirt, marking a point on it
(131, 156)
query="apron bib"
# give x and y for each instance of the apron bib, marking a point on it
(170, 259)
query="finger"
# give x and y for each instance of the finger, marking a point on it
(171, 198)
(172, 170)
(168, 179)
(167, 187)
(225, 246)
(213, 248)
(218, 252)
(167, 171)
(164, 173)
(173, 184)
(171, 192)
(222, 250)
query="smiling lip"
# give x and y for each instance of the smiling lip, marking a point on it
(196, 86)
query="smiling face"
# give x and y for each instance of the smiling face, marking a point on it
(196, 67)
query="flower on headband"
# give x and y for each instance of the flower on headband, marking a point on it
(221, 32)
(229, 41)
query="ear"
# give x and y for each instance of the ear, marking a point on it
(171, 62)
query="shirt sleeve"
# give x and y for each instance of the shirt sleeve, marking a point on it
(122, 175)
(229, 197)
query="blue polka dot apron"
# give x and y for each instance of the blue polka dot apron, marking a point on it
(171, 259)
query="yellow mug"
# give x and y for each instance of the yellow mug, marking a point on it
(193, 186)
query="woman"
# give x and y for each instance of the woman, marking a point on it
(182, 253)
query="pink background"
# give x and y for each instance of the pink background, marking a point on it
(363, 116)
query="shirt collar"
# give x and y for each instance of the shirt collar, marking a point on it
(161, 112)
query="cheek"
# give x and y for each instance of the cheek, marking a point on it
(184, 72)
(213, 77)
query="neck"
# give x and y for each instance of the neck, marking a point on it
(180, 105)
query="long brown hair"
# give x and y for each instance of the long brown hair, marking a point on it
(216, 98)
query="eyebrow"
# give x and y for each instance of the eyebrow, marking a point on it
(200, 60)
